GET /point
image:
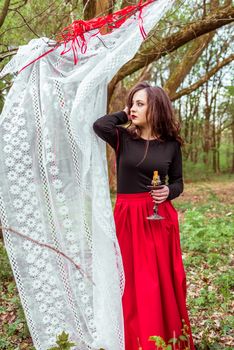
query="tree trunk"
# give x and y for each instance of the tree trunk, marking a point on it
(214, 147)
(4, 12)
(94, 8)
(232, 167)
(206, 135)
(89, 9)
(117, 103)
(218, 150)
(192, 130)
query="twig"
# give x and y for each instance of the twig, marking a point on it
(49, 247)
(30, 20)
(8, 53)
(4, 12)
(21, 5)
(26, 22)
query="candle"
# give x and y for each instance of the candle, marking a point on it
(155, 178)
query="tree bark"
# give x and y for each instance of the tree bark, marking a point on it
(128, 2)
(104, 7)
(89, 9)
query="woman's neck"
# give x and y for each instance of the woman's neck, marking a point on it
(146, 134)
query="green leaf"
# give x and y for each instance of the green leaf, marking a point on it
(173, 340)
(63, 342)
(70, 344)
(169, 347)
(63, 337)
(182, 337)
(158, 341)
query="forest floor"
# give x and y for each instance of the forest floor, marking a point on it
(207, 227)
(207, 231)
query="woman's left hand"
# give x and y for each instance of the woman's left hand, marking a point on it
(160, 195)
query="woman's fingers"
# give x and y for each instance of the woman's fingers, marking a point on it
(159, 202)
(160, 195)
(161, 192)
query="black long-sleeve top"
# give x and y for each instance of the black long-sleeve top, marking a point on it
(164, 156)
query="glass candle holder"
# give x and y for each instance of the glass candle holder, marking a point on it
(155, 185)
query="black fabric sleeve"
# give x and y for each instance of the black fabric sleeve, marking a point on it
(175, 174)
(105, 127)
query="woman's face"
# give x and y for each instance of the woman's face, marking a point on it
(139, 109)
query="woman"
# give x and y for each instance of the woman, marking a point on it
(154, 300)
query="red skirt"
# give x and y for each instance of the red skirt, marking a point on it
(154, 300)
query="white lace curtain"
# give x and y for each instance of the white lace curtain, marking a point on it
(54, 188)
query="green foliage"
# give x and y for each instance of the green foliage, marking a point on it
(196, 171)
(44, 18)
(182, 338)
(5, 270)
(230, 90)
(13, 325)
(201, 231)
(207, 244)
(160, 343)
(63, 342)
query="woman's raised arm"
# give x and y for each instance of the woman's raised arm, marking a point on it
(105, 127)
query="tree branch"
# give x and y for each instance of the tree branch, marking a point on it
(20, 5)
(148, 53)
(8, 53)
(26, 23)
(186, 63)
(30, 20)
(203, 80)
(4, 12)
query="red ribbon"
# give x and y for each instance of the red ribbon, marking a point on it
(74, 33)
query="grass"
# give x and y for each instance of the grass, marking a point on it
(206, 223)
(14, 333)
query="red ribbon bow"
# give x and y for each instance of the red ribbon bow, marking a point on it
(74, 33)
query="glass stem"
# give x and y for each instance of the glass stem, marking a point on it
(155, 208)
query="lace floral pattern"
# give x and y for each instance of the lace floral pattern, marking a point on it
(55, 189)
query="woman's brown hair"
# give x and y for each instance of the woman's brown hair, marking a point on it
(160, 115)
